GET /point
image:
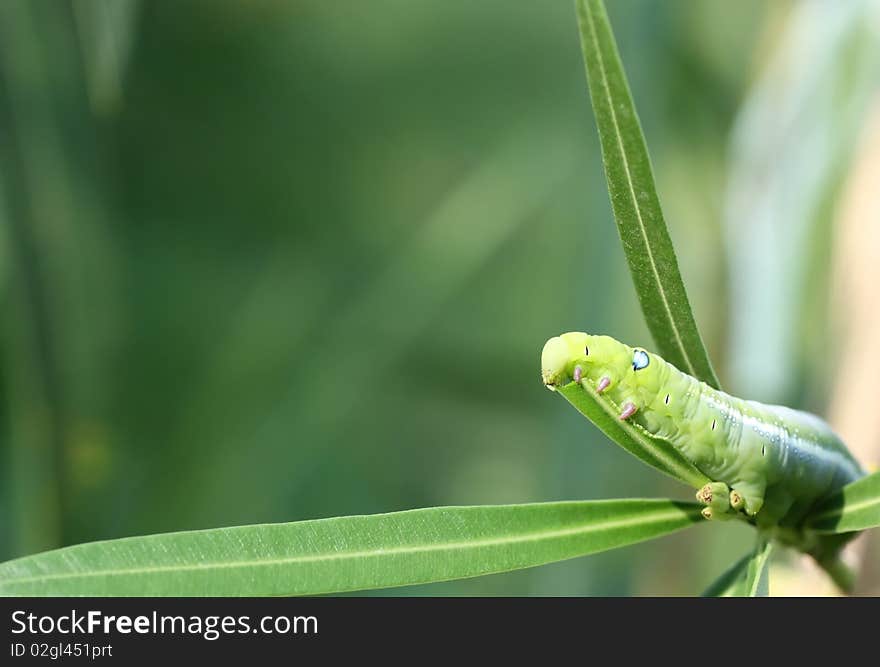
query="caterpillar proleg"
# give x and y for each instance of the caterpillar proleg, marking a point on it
(771, 462)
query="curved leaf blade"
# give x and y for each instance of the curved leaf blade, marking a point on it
(345, 553)
(635, 203)
(655, 453)
(731, 581)
(757, 576)
(748, 577)
(855, 507)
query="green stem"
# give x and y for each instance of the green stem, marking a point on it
(841, 574)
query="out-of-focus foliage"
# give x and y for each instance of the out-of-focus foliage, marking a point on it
(791, 152)
(298, 260)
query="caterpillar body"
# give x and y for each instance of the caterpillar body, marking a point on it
(777, 463)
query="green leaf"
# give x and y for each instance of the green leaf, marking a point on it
(731, 581)
(757, 577)
(635, 203)
(106, 33)
(345, 553)
(855, 507)
(657, 453)
(748, 577)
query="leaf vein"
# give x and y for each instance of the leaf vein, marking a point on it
(519, 539)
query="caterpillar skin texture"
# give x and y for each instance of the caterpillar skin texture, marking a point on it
(781, 461)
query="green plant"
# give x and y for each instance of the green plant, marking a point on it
(436, 544)
(768, 465)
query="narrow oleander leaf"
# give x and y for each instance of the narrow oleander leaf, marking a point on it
(855, 507)
(655, 453)
(635, 203)
(748, 577)
(345, 553)
(730, 583)
(757, 575)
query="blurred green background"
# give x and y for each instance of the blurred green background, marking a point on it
(269, 261)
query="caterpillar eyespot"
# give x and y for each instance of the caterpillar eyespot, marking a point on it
(640, 360)
(776, 485)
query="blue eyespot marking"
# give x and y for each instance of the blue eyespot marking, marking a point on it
(640, 360)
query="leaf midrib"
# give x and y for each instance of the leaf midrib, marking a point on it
(760, 564)
(846, 509)
(655, 517)
(644, 439)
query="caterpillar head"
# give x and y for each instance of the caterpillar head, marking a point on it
(576, 356)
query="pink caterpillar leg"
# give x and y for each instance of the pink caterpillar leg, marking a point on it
(629, 409)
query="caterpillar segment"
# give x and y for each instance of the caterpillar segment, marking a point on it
(767, 462)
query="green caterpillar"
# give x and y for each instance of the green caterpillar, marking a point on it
(769, 464)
